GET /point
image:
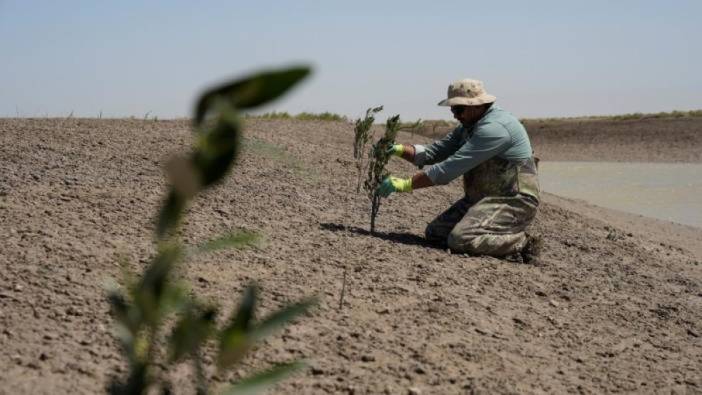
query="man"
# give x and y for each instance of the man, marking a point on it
(491, 150)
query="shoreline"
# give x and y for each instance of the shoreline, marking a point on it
(665, 191)
(683, 236)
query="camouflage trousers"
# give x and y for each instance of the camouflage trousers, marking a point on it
(492, 226)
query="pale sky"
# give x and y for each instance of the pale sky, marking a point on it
(540, 58)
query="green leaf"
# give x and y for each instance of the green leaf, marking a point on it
(212, 169)
(175, 297)
(126, 340)
(170, 214)
(261, 381)
(373, 110)
(157, 274)
(191, 331)
(281, 317)
(245, 314)
(183, 176)
(237, 239)
(251, 91)
(155, 284)
(234, 339)
(224, 134)
(118, 304)
(233, 346)
(217, 146)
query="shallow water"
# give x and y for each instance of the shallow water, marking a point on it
(669, 191)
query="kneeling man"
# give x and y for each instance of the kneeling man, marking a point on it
(491, 150)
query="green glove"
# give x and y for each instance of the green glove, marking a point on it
(396, 149)
(394, 184)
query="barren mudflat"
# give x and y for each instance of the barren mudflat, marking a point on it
(614, 306)
(643, 140)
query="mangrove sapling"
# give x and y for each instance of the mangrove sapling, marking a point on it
(378, 159)
(362, 135)
(149, 304)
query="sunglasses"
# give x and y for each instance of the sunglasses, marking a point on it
(458, 109)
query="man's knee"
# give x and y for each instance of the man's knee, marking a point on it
(461, 242)
(485, 243)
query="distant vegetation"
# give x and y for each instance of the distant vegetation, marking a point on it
(303, 116)
(431, 127)
(626, 117)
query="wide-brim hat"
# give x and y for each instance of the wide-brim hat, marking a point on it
(467, 92)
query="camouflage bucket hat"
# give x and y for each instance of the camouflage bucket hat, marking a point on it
(467, 92)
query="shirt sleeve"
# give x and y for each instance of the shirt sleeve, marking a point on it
(438, 150)
(487, 141)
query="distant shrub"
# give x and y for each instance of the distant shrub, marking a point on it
(623, 117)
(436, 128)
(303, 116)
(271, 115)
(657, 115)
(324, 116)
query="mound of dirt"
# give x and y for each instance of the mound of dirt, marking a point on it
(608, 309)
(638, 140)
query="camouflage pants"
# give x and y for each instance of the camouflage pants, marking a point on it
(492, 226)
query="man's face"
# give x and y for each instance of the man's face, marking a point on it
(467, 115)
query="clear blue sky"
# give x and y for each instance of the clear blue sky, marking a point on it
(540, 58)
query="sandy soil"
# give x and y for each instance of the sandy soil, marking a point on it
(614, 306)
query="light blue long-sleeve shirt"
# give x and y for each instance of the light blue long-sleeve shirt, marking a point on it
(497, 133)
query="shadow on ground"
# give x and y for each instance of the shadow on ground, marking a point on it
(403, 238)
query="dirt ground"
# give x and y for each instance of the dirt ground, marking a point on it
(614, 306)
(645, 140)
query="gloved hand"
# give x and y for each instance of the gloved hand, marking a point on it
(396, 150)
(394, 184)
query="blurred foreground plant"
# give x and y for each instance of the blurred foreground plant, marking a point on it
(155, 303)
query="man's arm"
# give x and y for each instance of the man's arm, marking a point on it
(439, 150)
(489, 141)
(420, 180)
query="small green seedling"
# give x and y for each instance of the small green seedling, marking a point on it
(378, 159)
